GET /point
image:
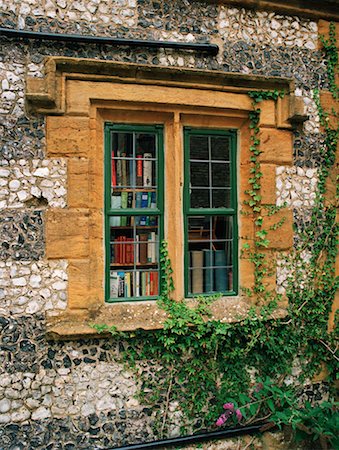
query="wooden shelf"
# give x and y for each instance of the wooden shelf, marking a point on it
(129, 227)
(131, 189)
(154, 264)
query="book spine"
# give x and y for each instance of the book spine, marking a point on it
(197, 262)
(139, 170)
(208, 269)
(123, 220)
(121, 285)
(138, 196)
(156, 283)
(220, 271)
(114, 284)
(137, 284)
(118, 172)
(123, 170)
(143, 248)
(114, 173)
(143, 284)
(147, 175)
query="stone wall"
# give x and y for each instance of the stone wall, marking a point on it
(74, 394)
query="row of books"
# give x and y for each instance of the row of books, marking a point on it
(142, 250)
(127, 172)
(209, 271)
(125, 284)
(126, 200)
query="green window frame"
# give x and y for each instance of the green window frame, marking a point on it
(134, 211)
(210, 212)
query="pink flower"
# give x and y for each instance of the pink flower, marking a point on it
(229, 406)
(220, 421)
(238, 414)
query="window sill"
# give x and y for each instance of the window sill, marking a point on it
(139, 315)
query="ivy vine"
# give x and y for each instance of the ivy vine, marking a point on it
(198, 367)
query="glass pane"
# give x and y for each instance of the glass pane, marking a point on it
(221, 198)
(221, 175)
(146, 159)
(199, 174)
(133, 170)
(220, 148)
(134, 256)
(200, 198)
(198, 147)
(210, 244)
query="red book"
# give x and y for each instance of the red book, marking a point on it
(151, 282)
(139, 170)
(123, 259)
(114, 173)
(155, 283)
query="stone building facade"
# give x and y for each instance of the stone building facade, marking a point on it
(73, 394)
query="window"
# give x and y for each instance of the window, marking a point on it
(210, 207)
(134, 211)
(80, 106)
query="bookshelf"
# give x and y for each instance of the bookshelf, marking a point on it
(134, 212)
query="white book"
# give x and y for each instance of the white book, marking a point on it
(137, 284)
(114, 284)
(147, 170)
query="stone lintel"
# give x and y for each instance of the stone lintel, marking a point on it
(313, 9)
(51, 98)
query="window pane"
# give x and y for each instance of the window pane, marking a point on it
(221, 198)
(199, 147)
(210, 247)
(134, 256)
(220, 148)
(199, 174)
(209, 169)
(133, 170)
(220, 175)
(200, 198)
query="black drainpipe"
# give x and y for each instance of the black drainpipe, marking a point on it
(194, 438)
(212, 49)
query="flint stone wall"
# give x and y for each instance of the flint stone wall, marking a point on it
(75, 395)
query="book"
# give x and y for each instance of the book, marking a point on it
(114, 284)
(129, 251)
(138, 196)
(139, 171)
(197, 262)
(144, 204)
(147, 170)
(130, 200)
(128, 284)
(114, 173)
(208, 270)
(143, 238)
(123, 170)
(121, 284)
(143, 284)
(137, 284)
(144, 199)
(124, 197)
(153, 200)
(220, 275)
(118, 171)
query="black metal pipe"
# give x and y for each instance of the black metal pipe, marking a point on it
(206, 48)
(184, 440)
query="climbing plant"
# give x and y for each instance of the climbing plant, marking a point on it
(197, 367)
